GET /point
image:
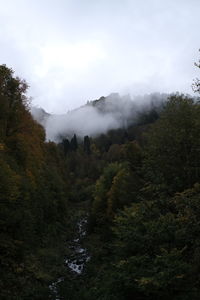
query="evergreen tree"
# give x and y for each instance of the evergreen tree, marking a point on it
(86, 144)
(66, 146)
(73, 143)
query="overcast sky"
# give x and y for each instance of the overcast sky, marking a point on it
(71, 51)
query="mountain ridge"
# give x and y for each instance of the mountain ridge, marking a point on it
(97, 116)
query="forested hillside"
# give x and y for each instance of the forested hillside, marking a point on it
(136, 189)
(34, 195)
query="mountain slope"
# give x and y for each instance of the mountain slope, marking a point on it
(98, 116)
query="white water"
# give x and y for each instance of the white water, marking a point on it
(79, 257)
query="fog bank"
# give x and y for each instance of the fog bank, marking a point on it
(98, 116)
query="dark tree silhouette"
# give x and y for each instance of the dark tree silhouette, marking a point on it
(73, 143)
(196, 84)
(86, 145)
(66, 146)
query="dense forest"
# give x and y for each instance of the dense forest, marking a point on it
(135, 190)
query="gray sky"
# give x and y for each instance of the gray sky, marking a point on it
(71, 51)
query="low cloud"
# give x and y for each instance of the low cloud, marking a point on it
(97, 116)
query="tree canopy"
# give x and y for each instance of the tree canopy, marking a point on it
(136, 189)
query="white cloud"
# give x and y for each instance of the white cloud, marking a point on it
(73, 51)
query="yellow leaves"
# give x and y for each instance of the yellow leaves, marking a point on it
(2, 146)
(31, 178)
(95, 150)
(122, 263)
(181, 276)
(19, 270)
(9, 182)
(145, 281)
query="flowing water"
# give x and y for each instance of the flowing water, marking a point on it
(79, 255)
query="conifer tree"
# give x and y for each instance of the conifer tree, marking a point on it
(66, 146)
(73, 143)
(86, 145)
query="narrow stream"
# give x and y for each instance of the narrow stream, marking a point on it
(79, 257)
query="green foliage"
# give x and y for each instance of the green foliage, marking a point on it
(73, 143)
(102, 188)
(145, 211)
(87, 144)
(66, 146)
(12, 100)
(33, 194)
(139, 187)
(155, 252)
(172, 148)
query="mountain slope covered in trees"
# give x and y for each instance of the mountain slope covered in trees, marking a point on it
(138, 186)
(34, 195)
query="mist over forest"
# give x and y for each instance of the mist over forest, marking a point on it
(99, 150)
(102, 202)
(99, 116)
